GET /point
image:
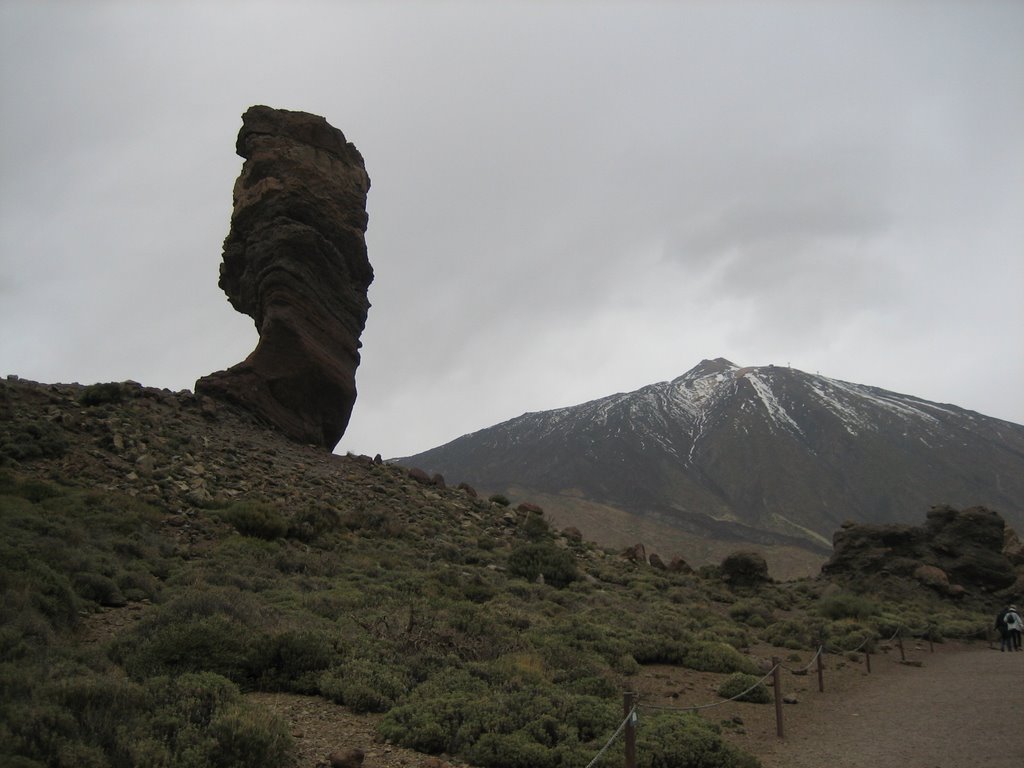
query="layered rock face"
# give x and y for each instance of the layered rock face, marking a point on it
(295, 261)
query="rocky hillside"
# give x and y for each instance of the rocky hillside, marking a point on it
(180, 453)
(162, 548)
(768, 455)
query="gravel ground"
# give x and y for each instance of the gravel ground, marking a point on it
(962, 708)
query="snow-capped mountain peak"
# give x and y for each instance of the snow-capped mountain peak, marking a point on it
(766, 448)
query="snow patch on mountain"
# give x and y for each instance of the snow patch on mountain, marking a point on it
(906, 408)
(776, 411)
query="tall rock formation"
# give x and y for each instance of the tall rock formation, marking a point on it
(295, 261)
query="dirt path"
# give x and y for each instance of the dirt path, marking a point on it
(963, 708)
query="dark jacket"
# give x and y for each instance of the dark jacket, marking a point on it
(1001, 622)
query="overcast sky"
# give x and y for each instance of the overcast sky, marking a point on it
(568, 200)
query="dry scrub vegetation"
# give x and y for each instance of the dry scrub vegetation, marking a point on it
(467, 629)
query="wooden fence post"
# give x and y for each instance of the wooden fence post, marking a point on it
(899, 638)
(821, 669)
(867, 661)
(777, 683)
(628, 704)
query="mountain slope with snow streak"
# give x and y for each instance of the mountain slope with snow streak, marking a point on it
(766, 455)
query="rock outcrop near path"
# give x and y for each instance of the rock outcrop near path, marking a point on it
(954, 552)
(295, 261)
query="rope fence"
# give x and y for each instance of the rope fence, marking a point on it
(737, 697)
(622, 726)
(810, 664)
(631, 702)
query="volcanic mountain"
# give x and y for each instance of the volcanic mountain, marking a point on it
(766, 455)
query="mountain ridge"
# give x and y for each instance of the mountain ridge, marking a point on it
(772, 449)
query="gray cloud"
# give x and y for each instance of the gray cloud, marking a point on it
(568, 199)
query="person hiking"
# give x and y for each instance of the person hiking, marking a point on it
(1005, 641)
(1014, 626)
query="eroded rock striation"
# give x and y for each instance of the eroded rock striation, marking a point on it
(295, 261)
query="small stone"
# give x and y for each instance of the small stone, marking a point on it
(145, 465)
(350, 758)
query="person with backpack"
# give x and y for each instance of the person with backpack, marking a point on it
(1014, 627)
(1005, 641)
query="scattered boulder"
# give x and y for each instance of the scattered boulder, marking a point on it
(1013, 547)
(678, 565)
(295, 261)
(530, 508)
(932, 576)
(572, 533)
(421, 477)
(637, 553)
(656, 562)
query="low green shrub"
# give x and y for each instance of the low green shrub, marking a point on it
(535, 527)
(214, 630)
(314, 522)
(201, 644)
(373, 521)
(671, 741)
(521, 750)
(292, 661)
(432, 715)
(23, 634)
(531, 561)
(98, 588)
(626, 665)
(38, 440)
(257, 519)
(846, 605)
(84, 717)
(242, 737)
(37, 490)
(960, 628)
(103, 393)
(797, 634)
(736, 635)
(744, 687)
(717, 657)
(363, 685)
(660, 650)
(457, 712)
(138, 585)
(850, 635)
(752, 612)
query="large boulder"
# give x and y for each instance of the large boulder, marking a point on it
(968, 547)
(295, 261)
